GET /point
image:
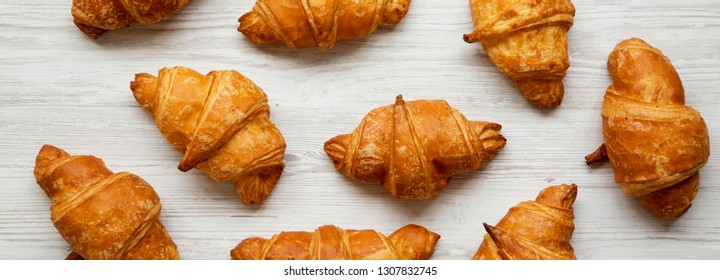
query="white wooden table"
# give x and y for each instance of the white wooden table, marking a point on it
(61, 88)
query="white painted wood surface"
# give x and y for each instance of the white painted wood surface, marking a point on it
(61, 88)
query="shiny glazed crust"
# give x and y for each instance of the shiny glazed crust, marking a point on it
(413, 148)
(101, 214)
(94, 17)
(527, 41)
(220, 123)
(328, 242)
(534, 230)
(655, 143)
(305, 23)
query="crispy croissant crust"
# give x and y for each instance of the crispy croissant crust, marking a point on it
(527, 41)
(103, 215)
(655, 143)
(534, 230)
(220, 122)
(94, 17)
(304, 23)
(413, 148)
(328, 242)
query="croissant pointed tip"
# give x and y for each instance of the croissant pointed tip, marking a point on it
(184, 167)
(73, 256)
(488, 228)
(186, 163)
(470, 38)
(493, 232)
(598, 155)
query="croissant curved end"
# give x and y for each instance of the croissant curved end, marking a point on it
(489, 134)
(336, 148)
(90, 31)
(642, 72)
(672, 202)
(560, 196)
(248, 249)
(414, 242)
(394, 12)
(46, 155)
(255, 29)
(543, 93)
(144, 90)
(256, 187)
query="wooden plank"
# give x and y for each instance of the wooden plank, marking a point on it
(62, 88)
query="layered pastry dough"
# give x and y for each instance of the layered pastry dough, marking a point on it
(411, 242)
(534, 230)
(527, 41)
(305, 23)
(94, 17)
(220, 122)
(101, 214)
(655, 143)
(413, 148)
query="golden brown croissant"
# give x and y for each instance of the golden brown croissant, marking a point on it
(304, 23)
(534, 230)
(220, 122)
(94, 17)
(103, 215)
(655, 143)
(527, 41)
(414, 148)
(411, 242)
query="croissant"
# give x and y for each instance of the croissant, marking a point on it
(328, 242)
(103, 215)
(304, 23)
(534, 230)
(220, 123)
(655, 143)
(94, 17)
(527, 41)
(414, 148)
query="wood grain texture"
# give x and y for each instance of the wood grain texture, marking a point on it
(61, 88)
